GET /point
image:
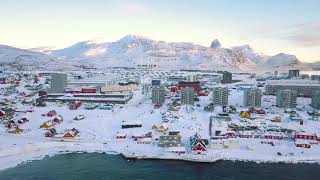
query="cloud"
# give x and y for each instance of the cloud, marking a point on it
(132, 8)
(304, 34)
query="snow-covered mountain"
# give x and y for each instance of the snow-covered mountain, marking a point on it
(132, 51)
(19, 59)
(281, 60)
(135, 51)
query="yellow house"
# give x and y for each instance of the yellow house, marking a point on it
(163, 127)
(17, 130)
(245, 114)
(47, 125)
(277, 119)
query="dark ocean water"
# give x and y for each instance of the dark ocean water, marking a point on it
(90, 166)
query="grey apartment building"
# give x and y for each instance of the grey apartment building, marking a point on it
(220, 96)
(252, 97)
(304, 88)
(286, 98)
(158, 94)
(187, 95)
(315, 100)
(58, 82)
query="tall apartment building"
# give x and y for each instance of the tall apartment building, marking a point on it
(146, 89)
(158, 94)
(220, 96)
(58, 82)
(286, 98)
(315, 100)
(252, 97)
(187, 95)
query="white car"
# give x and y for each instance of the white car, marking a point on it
(79, 117)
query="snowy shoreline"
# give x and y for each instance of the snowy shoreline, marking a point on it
(40, 151)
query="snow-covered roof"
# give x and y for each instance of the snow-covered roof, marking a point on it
(299, 82)
(131, 122)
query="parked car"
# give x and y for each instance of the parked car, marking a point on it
(79, 117)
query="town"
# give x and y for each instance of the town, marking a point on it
(190, 115)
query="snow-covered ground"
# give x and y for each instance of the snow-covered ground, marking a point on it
(99, 129)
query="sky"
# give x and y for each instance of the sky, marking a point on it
(270, 27)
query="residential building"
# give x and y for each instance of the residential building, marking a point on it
(286, 98)
(315, 77)
(227, 76)
(304, 88)
(220, 96)
(195, 85)
(58, 82)
(252, 97)
(294, 73)
(191, 78)
(187, 95)
(146, 89)
(158, 95)
(173, 139)
(315, 100)
(156, 82)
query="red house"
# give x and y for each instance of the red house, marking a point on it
(195, 85)
(51, 132)
(121, 136)
(75, 105)
(302, 144)
(58, 119)
(198, 145)
(89, 90)
(173, 89)
(51, 113)
(2, 113)
(306, 136)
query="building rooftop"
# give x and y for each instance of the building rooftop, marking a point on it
(298, 82)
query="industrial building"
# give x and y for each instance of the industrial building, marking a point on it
(158, 94)
(315, 100)
(58, 82)
(220, 96)
(304, 88)
(252, 97)
(187, 95)
(286, 98)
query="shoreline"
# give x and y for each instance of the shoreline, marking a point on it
(40, 153)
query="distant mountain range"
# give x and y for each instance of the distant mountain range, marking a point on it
(136, 51)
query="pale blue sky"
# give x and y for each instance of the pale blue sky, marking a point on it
(270, 26)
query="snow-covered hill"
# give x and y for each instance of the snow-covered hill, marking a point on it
(19, 59)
